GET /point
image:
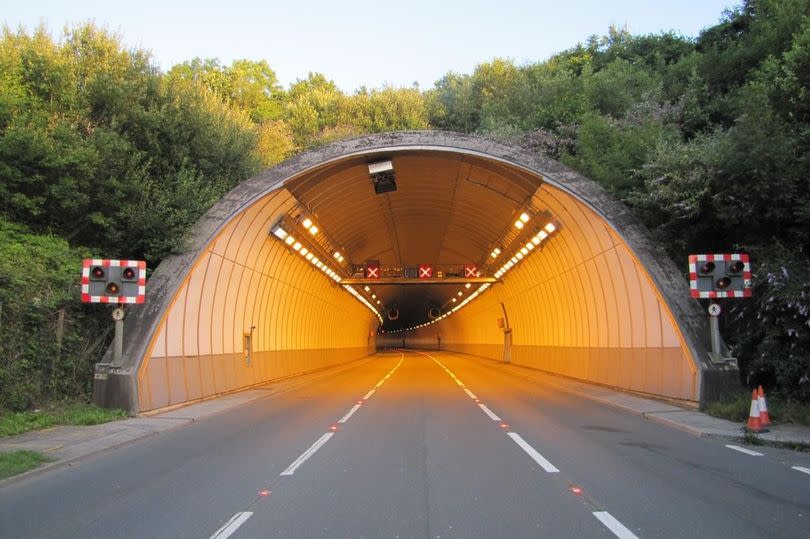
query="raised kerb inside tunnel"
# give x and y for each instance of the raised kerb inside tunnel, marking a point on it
(529, 263)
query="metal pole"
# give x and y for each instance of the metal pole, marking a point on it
(118, 343)
(714, 330)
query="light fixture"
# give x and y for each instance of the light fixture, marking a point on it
(289, 240)
(366, 288)
(460, 293)
(551, 228)
(468, 285)
(297, 246)
(307, 222)
(313, 230)
(280, 232)
(524, 217)
(519, 224)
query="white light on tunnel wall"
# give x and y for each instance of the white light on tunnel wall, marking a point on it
(350, 289)
(309, 256)
(457, 305)
(524, 250)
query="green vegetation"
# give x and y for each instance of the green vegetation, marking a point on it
(736, 407)
(17, 462)
(62, 413)
(706, 139)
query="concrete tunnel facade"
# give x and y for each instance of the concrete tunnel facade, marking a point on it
(596, 301)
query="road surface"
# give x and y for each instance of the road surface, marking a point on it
(419, 445)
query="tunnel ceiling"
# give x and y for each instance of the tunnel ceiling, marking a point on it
(448, 209)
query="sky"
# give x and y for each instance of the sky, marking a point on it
(361, 42)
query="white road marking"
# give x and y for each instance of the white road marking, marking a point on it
(369, 394)
(744, 450)
(470, 393)
(614, 525)
(308, 453)
(532, 452)
(489, 412)
(802, 469)
(232, 525)
(349, 414)
(459, 382)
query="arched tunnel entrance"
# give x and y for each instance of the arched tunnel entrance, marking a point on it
(275, 279)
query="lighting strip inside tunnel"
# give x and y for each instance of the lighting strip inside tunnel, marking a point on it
(309, 255)
(535, 243)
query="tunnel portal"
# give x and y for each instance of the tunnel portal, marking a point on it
(530, 263)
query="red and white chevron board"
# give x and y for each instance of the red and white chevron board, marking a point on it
(88, 263)
(693, 276)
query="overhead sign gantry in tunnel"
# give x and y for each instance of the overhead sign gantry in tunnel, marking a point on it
(274, 280)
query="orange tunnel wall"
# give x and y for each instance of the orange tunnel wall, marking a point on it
(302, 319)
(583, 307)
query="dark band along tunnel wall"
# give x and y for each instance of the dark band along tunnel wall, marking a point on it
(597, 300)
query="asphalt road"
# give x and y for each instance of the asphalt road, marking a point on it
(444, 447)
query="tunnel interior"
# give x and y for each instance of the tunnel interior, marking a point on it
(273, 282)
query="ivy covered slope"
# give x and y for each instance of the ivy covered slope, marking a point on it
(704, 138)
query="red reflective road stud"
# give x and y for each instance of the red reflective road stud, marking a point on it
(575, 490)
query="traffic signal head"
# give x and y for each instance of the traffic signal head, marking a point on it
(113, 281)
(720, 276)
(129, 274)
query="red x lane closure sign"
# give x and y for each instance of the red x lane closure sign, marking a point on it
(471, 271)
(372, 271)
(425, 271)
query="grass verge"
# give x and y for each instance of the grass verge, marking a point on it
(17, 462)
(736, 407)
(71, 413)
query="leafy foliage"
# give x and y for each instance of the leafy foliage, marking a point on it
(706, 139)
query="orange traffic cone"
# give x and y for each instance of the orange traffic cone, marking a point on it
(754, 422)
(764, 418)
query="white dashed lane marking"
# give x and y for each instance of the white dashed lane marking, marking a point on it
(532, 452)
(618, 529)
(802, 469)
(232, 525)
(307, 454)
(489, 412)
(744, 450)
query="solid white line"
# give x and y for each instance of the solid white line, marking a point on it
(308, 453)
(614, 525)
(744, 450)
(802, 469)
(232, 525)
(459, 382)
(470, 393)
(532, 452)
(489, 412)
(349, 414)
(369, 394)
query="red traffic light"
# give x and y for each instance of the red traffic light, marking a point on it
(128, 273)
(113, 288)
(736, 266)
(708, 267)
(723, 282)
(98, 272)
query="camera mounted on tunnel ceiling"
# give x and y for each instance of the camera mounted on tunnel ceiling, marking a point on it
(382, 177)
